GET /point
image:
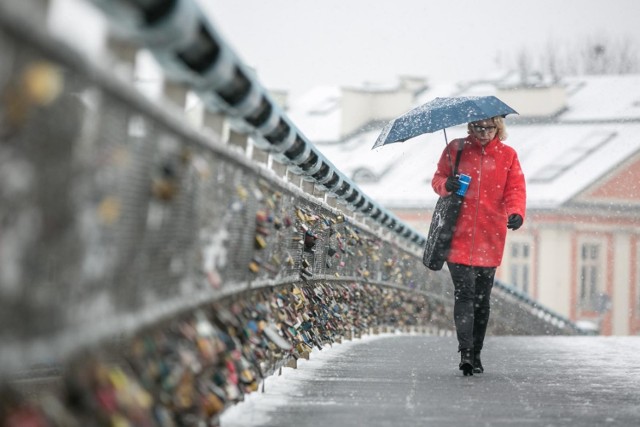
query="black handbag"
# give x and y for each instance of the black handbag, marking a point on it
(443, 223)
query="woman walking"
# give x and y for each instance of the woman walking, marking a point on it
(494, 201)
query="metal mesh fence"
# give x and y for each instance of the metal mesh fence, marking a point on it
(112, 219)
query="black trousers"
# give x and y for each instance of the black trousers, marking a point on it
(472, 292)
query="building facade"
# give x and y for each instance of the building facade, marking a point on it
(582, 259)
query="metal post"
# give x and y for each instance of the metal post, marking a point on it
(260, 156)
(293, 178)
(214, 121)
(238, 139)
(125, 54)
(318, 192)
(307, 186)
(176, 93)
(279, 168)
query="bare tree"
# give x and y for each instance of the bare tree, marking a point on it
(551, 61)
(525, 65)
(628, 58)
(595, 59)
(594, 55)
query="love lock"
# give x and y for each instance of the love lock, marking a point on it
(309, 241)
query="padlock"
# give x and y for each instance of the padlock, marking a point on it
(260, 242)
(309, 241)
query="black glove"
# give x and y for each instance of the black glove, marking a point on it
(452, 184)
(514, 222)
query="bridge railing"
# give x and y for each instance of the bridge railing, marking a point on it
(129, 234)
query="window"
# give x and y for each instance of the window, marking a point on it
(590, 280)
(574, 155)
(520, 266)
(364, 176)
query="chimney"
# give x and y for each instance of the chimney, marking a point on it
(360, 106)
(413, 83)
(534, 96)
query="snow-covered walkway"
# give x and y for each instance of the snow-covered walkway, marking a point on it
(413, 380)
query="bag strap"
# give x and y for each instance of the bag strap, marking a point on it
(458, 155)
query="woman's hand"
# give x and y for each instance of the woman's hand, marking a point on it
(514, 222)
(452, 184)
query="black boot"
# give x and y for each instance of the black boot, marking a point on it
(477, 363)
(466, 361)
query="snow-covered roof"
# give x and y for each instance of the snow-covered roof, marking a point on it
(611, 97)
(317, 113)
(560, 158)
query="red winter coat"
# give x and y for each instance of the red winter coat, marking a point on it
(497, 190)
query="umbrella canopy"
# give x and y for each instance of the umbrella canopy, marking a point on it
(441, 113)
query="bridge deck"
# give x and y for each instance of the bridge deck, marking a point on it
(409, 380)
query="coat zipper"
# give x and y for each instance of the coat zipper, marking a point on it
(475, 217)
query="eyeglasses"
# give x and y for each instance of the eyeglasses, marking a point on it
(479, 128)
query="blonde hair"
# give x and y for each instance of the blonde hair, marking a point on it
(499, 122)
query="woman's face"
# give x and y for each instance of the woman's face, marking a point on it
(484, 130)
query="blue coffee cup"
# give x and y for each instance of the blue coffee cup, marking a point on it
(464, 184)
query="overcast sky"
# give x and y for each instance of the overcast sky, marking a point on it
(299, 44)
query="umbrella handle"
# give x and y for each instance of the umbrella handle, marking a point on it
(446, 145)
